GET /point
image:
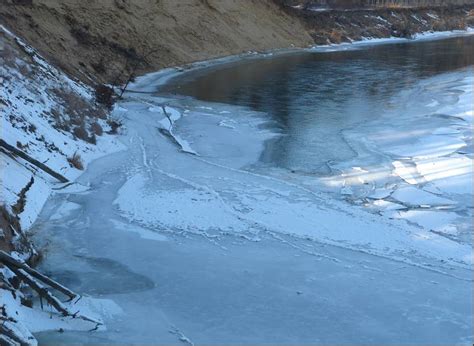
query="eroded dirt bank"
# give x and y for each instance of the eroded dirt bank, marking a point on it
(106, 40)
(98, 37)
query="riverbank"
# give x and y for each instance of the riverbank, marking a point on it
(83, 40)
(51, 128)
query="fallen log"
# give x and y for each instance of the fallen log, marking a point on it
(44, 293)
(9, 337)
(12, 334)
(30, 276)
(41, 290)
(12, 263)
(33, 161)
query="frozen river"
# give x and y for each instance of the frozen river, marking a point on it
(314, 198)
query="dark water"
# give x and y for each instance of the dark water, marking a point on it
(314, 96)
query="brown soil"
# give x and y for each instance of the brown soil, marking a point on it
(104, 40)
(98, 37)
(344, 26)
(7, 222)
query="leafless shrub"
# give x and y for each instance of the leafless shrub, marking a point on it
(81, 133)
(97, 129)
(19, 206)
(470, 21)
(100, 113)
(10, 225)
(59, 122)
(335, 36)
(77, 120)
(449, 23)
(76, 161)
(403, 28)
(73, 103)
(105, 96)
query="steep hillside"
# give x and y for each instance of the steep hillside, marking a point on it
(107, 40)
(49, 125)
(336, 26)
(100, 37)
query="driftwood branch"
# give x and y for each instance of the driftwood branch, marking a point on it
(52, 300)
(8, 335)
(33, 279)
(41, 290)
(33, 161)
(11, 262)
(13, 334)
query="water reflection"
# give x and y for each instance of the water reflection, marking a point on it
(315, 96)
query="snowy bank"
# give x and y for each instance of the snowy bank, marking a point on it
(51, 119)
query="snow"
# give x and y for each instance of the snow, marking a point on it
(428, 147)
(64, 210)
(439, 171)
(444, 222)
(36, 320)
(142, 232)
(425, 36)
(32, 128)
(26, 121)
(415, 196)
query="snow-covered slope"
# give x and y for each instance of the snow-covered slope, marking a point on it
(49, 117)
(54, 120)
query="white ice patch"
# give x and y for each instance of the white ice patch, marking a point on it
(185, 209)
(451, 175)
(65, 210)
(142, 232)
(439, 221)
(381, 193)
(37, 320)
(414, 196)
(406, 172)
(428, 147)
(387, 206)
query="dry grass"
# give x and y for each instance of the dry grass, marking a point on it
(97, 129)
(76, 161)
(335, 36)
(73, 103)
(470, 21)
(77, 115)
